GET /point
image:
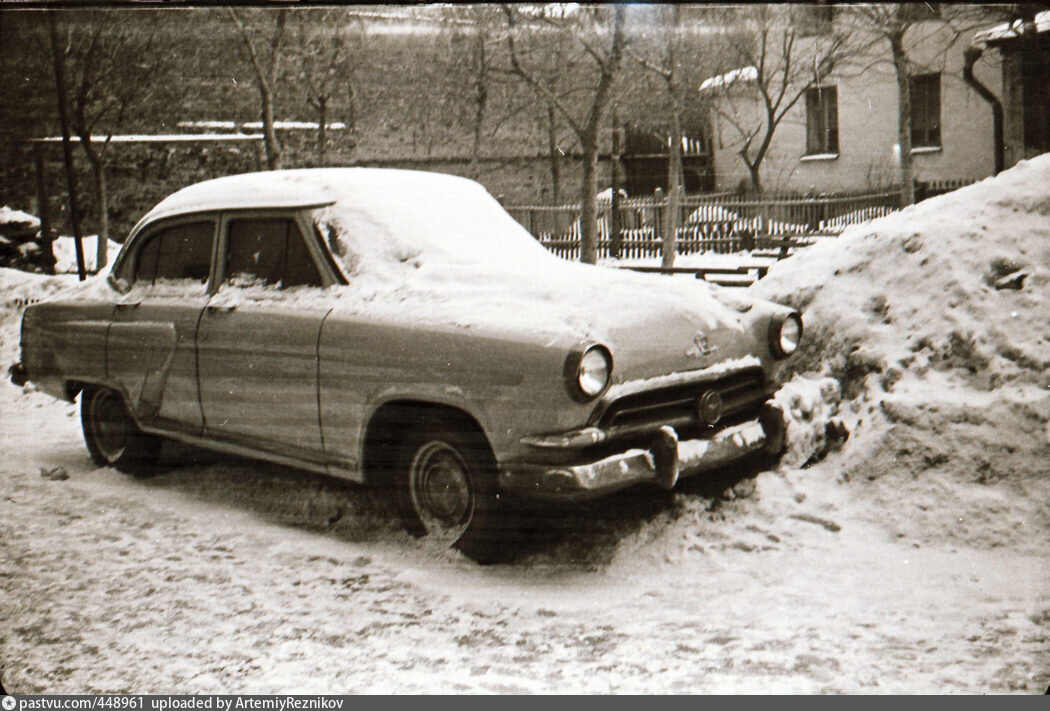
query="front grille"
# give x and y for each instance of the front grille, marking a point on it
(677, 405)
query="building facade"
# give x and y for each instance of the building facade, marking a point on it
(842, 133)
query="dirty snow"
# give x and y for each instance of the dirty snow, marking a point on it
(935, 324)
(899, 547)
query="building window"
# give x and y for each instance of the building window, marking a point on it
(822, 120)
(925, 110)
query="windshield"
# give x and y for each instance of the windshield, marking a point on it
(412, 223)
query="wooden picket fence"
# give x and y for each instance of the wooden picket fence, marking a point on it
(722, 223)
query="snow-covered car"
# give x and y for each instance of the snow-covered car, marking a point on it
(400, 328)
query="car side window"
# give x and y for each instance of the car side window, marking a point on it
(181, 251)
(269, 251)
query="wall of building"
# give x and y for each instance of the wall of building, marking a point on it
(867, 117)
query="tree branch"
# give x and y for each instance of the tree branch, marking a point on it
(537, 86)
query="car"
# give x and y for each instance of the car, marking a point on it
(399, 328)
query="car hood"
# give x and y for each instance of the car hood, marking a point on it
(653, 325)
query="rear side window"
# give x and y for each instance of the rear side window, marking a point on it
(181, 251)
(269, 251)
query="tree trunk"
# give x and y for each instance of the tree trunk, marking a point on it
(266, 82)
(351, 96)
(270, 142)
(754, 169)
(322, 127)
(674, 190)
(480, 102)
(98, 174)
(900, 65)
(43, 208)
(98, 168)
(552, 148)
(589, 216)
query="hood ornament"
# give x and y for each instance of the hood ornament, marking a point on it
(701, 348)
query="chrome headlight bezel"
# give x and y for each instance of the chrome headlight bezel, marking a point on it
(785, 334)
(588, 372)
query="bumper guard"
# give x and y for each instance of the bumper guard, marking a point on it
(18, 374)
(663, 463)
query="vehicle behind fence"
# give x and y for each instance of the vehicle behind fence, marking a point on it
(721, 223)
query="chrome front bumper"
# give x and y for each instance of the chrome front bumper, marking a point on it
(666, 460)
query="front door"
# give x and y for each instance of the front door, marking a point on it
(257, 341)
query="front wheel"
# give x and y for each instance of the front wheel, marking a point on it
(111, 435)
(449, 491)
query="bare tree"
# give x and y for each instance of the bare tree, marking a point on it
(322, 60)
(111, 75)
(559, 64)
(889, 22)
(767, 56)
(554, 152)
(58, 64)
(665, 61)
(265, 66)
(600, 35)
(473, 32)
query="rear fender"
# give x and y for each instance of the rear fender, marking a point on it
(58, 347)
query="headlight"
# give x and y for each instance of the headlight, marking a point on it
(587, 372)
(785, 334)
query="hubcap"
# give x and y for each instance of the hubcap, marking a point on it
(110, 424)
(440, 488)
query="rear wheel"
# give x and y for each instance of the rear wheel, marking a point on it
(111, 435)
(448, 490)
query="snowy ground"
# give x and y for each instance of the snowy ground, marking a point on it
(910, 558)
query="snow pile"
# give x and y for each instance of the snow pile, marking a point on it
(19, 241)
(934, 324)
(956, 283)
(17, 221)
(65, 251)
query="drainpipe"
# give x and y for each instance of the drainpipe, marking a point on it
(970, 57)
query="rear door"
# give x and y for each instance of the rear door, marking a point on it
(151, 350)
(257, 342)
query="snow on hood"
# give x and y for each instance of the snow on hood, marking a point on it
(957, 282)
(454, 255)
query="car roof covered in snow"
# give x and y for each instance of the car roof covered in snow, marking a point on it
(298, 188)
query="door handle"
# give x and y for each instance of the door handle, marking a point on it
(128, 304)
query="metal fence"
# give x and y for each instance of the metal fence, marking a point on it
(721, 223)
